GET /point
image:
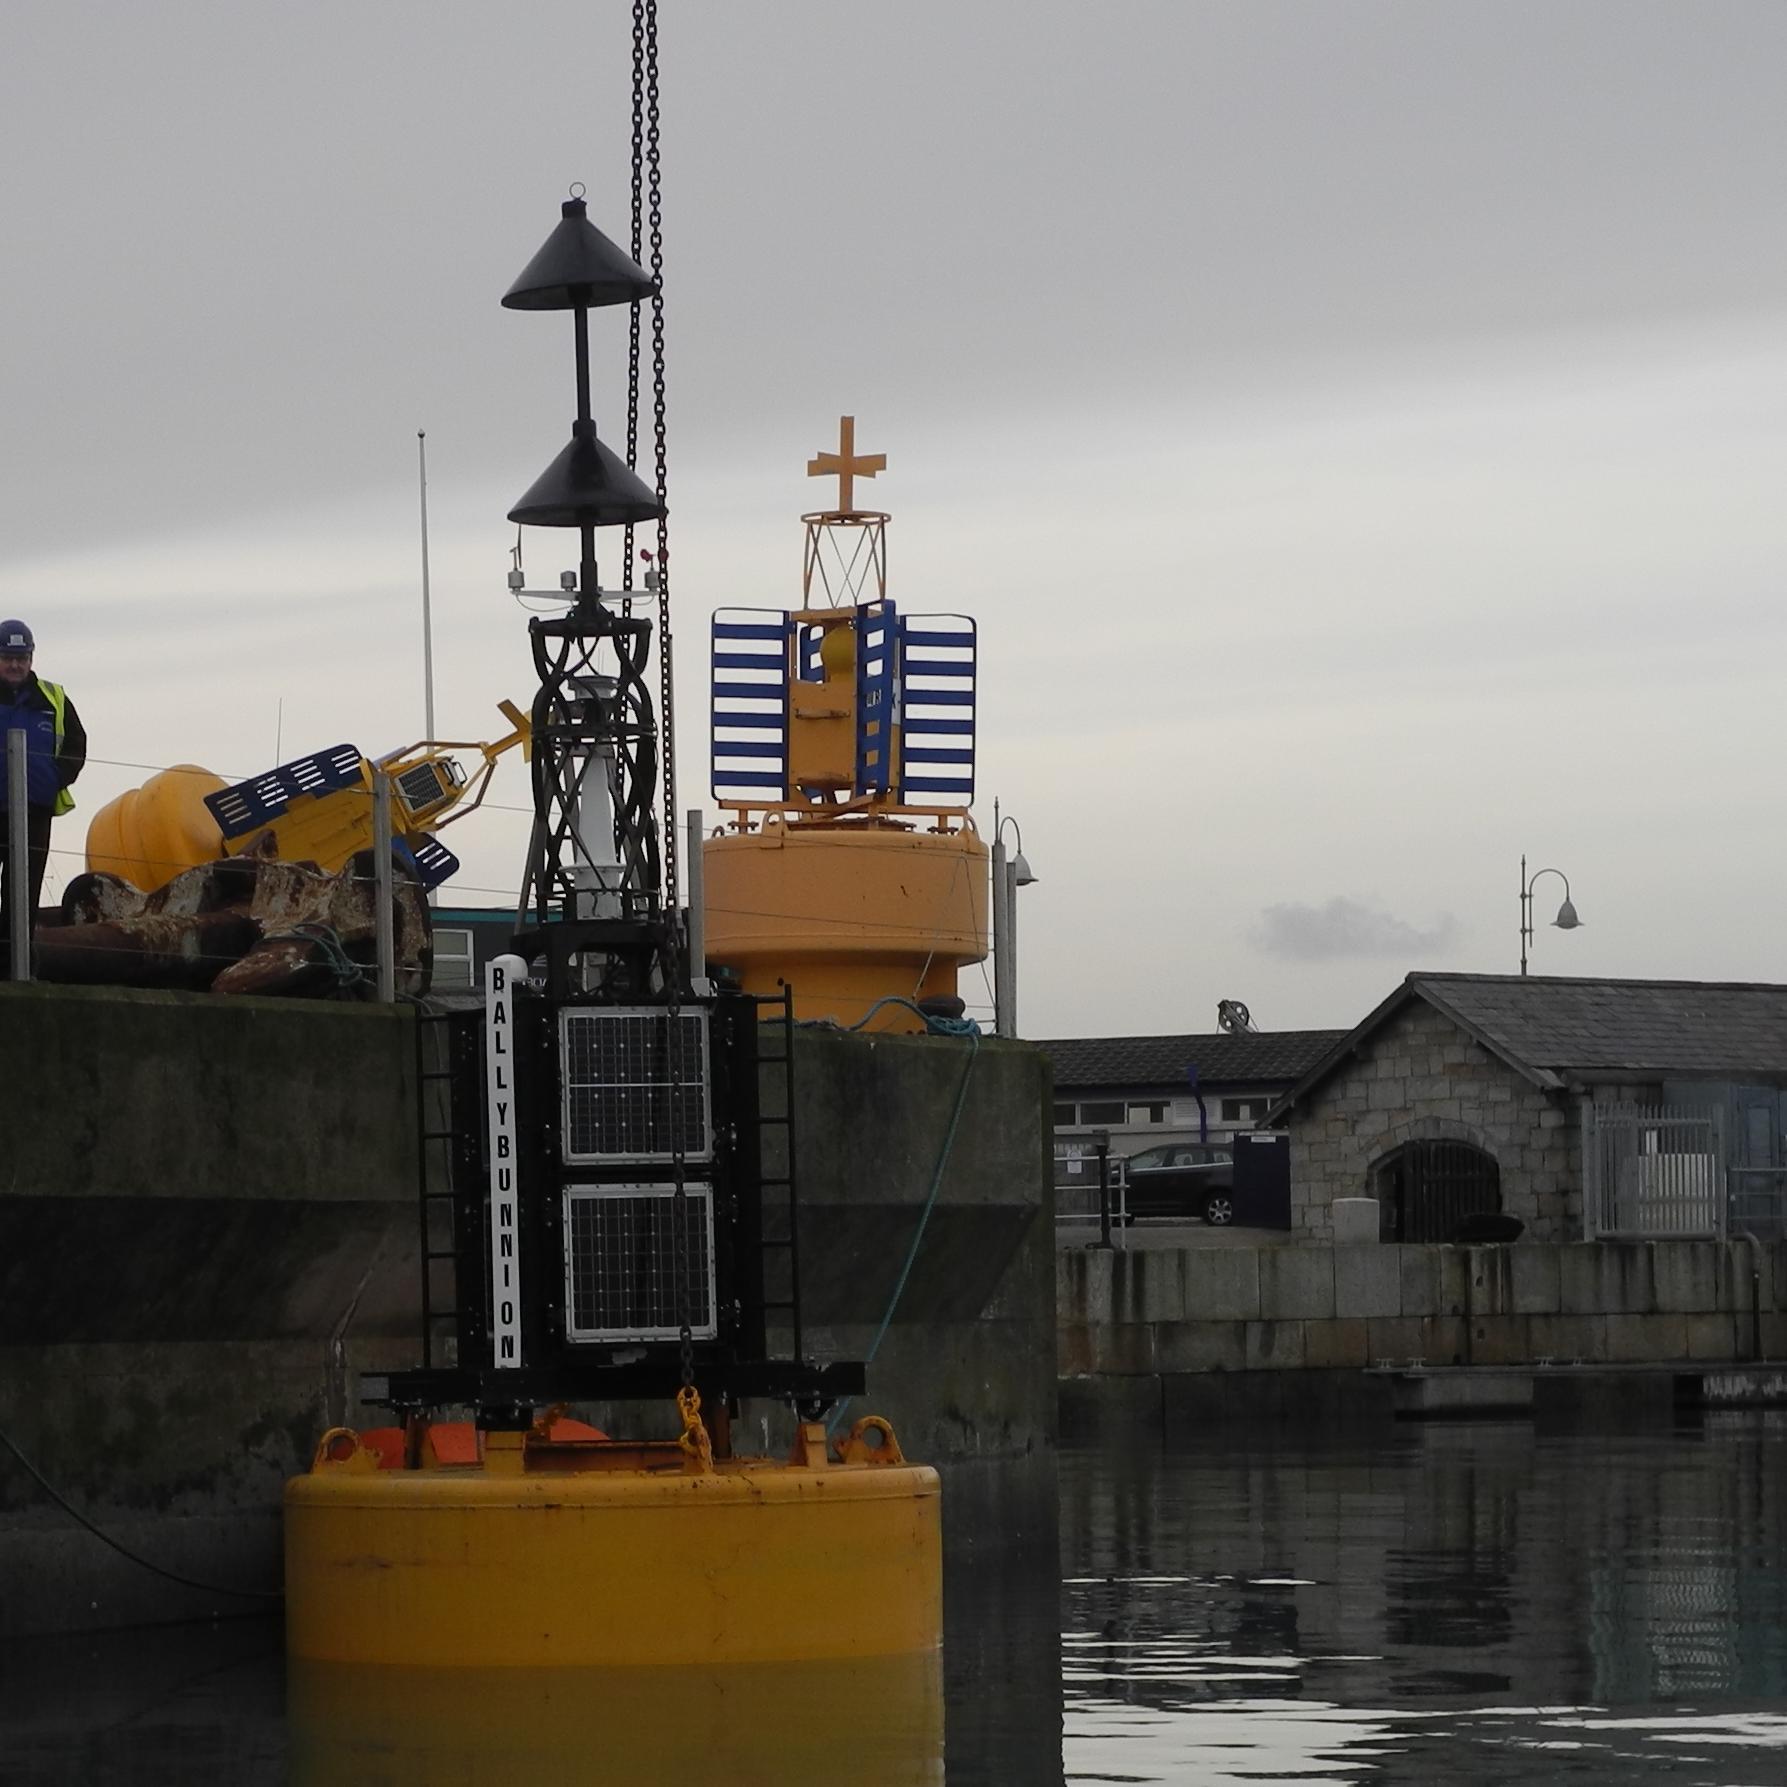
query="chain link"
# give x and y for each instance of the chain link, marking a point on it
(648, 213)
(633, 309)
(666, 677)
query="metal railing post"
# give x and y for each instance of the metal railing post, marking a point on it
(697, 882)
(18, 854)
(1591, 1171)
(1002, 948)
(383, 890)
(1721, 1176)
(1103, 1145)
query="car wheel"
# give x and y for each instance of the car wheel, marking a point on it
(1219, 1211)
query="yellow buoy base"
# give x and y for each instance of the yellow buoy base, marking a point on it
(501, 1565)
(846, 914)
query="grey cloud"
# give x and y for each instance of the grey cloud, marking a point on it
(1347, 928)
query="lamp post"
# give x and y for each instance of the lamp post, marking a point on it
(1009, 874)
(1566, 919)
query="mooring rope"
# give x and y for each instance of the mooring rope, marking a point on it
(74, 1513)
(958, 1027)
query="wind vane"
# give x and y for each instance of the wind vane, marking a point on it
(846, 465)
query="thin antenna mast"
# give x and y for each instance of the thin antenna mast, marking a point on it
(427, 612)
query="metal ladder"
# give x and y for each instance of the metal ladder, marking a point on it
(779, 1231)
(435, 1191)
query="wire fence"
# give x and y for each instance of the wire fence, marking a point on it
(148, 872)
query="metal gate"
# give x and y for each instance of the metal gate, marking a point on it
(1653, 1170)
(1426, 1189)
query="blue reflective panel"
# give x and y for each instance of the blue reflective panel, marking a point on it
(939, 659)
(254, 803)
(750, 694)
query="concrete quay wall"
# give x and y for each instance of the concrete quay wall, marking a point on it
(966, 1368)
(209, 1233)
(207, 1230)
(1195, 1310)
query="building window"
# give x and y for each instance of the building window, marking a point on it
(1109, 1112)
(453, 960)
(1064, 1117)
(1244, 1110)
(1147, 1113)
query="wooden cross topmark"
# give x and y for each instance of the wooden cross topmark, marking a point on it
(847, 465)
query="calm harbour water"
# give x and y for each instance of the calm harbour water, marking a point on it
(1469, 1603)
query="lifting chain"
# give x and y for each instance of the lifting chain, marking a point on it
(637, 246)
(648, 228)
(648, 209)
(666, 679)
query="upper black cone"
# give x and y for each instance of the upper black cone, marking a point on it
(577, 264)
(586, 484)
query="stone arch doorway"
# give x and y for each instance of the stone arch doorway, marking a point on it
(1425, 1189)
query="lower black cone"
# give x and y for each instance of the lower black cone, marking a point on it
(586, 485)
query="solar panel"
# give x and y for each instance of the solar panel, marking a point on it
(634, 1084)
(626, 1276)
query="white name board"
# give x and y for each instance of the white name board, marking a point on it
(502, 976)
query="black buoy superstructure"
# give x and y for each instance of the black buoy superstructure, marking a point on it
(593, 901)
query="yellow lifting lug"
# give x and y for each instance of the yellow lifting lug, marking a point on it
(698, 1447)
(811, 1450)
(871, 1441)
(340, 1450)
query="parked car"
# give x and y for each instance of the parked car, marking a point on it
(1183, 1180)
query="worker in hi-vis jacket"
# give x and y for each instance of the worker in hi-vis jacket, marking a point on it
(55, 753)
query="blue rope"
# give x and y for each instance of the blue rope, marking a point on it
(958, 1027)
(347, 972)
(937, 1026)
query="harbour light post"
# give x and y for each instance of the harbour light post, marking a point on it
(1009, 874)
(1566, 919)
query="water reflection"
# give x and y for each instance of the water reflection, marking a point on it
(782, 1725)
(1473, 1593)
(1472, 1604)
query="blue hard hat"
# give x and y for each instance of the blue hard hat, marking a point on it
(15, 636)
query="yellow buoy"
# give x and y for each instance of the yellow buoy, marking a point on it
(843, 749)
(846, 914)
(148, 835)
(600, 1554)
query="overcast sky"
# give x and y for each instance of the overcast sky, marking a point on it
(1357, 426)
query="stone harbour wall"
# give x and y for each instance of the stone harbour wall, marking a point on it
(1195, 1310)
(1422, 1079)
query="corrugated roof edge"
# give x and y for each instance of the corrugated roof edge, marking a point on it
(1069, 1054)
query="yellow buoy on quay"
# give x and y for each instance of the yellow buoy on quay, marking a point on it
(843, 749)
(316, 809)
(846, 913)
(149, 834)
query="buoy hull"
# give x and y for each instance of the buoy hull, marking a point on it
(754, 1562)
(846, 915)
(148, 835)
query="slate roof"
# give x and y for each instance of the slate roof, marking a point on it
(1555, 1030)
(1145, 1063)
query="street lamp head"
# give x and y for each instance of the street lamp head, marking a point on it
(1566, 919)
(1021, 875)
